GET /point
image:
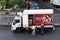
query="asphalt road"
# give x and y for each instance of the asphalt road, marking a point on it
(7, 34)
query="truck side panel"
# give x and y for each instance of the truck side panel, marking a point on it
(42, 17)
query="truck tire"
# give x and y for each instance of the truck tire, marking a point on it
(17, 30)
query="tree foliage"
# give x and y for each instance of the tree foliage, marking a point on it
(2, 3)
(11, 3)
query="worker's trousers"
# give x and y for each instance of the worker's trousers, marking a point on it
(33, 33)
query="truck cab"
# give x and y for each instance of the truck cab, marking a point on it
(16, 24)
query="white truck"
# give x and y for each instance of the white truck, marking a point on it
(55, 2)
(28, 18)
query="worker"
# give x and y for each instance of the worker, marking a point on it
(33, 30)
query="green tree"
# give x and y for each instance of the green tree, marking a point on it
(2, 3)
(7, 3)
(11, 3)
(21, 3)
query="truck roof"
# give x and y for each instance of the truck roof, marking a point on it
(38, 11)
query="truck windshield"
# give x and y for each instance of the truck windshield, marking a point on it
(16, 21)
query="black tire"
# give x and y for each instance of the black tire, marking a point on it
(18, 30)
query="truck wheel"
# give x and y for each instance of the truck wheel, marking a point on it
(18, 30)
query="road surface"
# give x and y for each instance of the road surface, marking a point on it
(6, 34)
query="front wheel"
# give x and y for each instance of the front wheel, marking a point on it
(17, 30)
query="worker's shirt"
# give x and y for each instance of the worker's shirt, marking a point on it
(33, 27)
